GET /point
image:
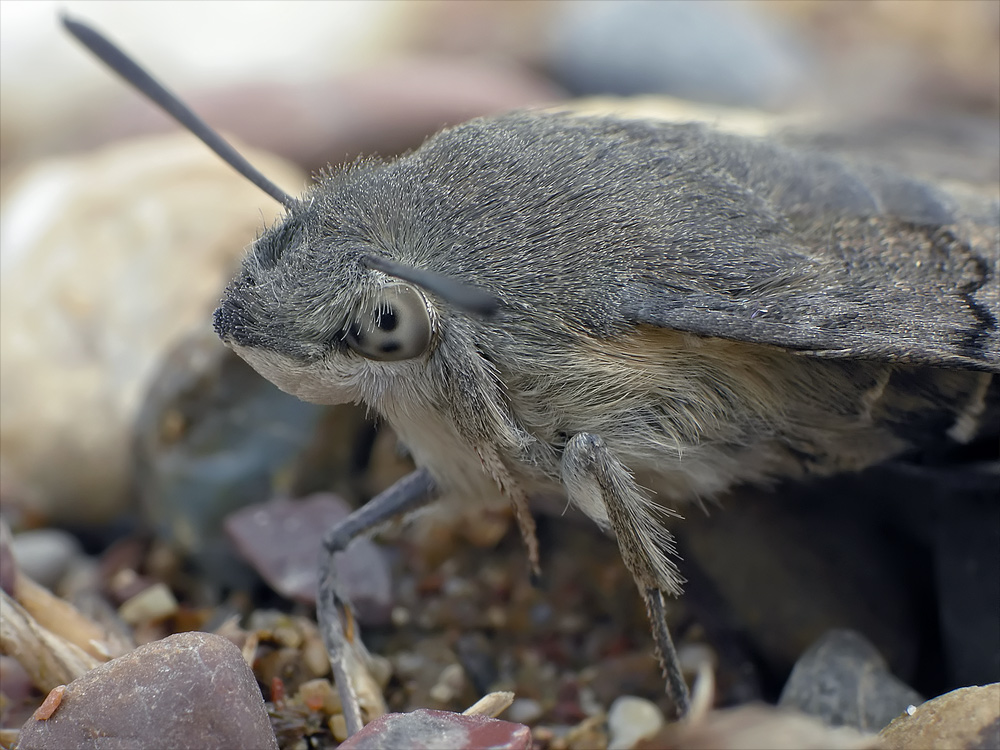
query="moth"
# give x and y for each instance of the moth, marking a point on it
(635, 314)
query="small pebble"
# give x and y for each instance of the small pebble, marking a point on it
(589, 703)
(449, 684)
(400, 617)
(588, 733)
(281, 539)
(315, 657)
(693, 655)
(631, 719)
(149, 605)
(525, 711)
(496, 616)
(44, 555)
(338, 727)
(319, 695)
(287, 635)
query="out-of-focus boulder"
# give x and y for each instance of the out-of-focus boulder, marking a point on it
(107, 260)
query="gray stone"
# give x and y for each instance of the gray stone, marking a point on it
(843, 680)
(721, 52)
(191, 690)
(44, 555)
(213, 437)
(195, 458)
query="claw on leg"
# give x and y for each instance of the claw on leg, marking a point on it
(604, 489)
(333, 611)
(677, 689)
(339, 642)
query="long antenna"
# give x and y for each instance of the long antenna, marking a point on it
(466, 298)
(127, 68)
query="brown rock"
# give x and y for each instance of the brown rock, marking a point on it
(964, 719)
(281, 540)
(108, 260)
(191, 690)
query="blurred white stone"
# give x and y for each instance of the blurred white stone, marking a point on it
(149, 605)
(631, 719)
(106, 260)
(524, 711)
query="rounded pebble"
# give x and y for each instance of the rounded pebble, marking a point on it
(524, 711)
(44, 555)
(631, 719)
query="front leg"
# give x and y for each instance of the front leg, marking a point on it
(604, 489)
(333, 611)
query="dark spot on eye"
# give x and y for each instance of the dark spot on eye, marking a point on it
(387, 319)
(389, 347)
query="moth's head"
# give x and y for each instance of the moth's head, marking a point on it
(317, 307)
(310, 312)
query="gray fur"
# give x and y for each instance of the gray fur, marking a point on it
(602, 224)
(826, 315)
(679, 309)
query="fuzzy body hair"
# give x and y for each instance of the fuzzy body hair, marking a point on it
(716, 309)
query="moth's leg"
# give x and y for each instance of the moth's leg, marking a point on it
(600, 485)
(333, 611)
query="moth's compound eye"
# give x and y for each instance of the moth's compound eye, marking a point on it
(396, 327)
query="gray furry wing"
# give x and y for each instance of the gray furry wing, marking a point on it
(824, 256)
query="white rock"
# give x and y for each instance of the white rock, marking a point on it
(524, 711)
(106, 260)
(631, 719)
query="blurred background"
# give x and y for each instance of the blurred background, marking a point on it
(270, 72)
(127, 430)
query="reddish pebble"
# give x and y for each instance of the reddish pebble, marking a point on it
(50, 704)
